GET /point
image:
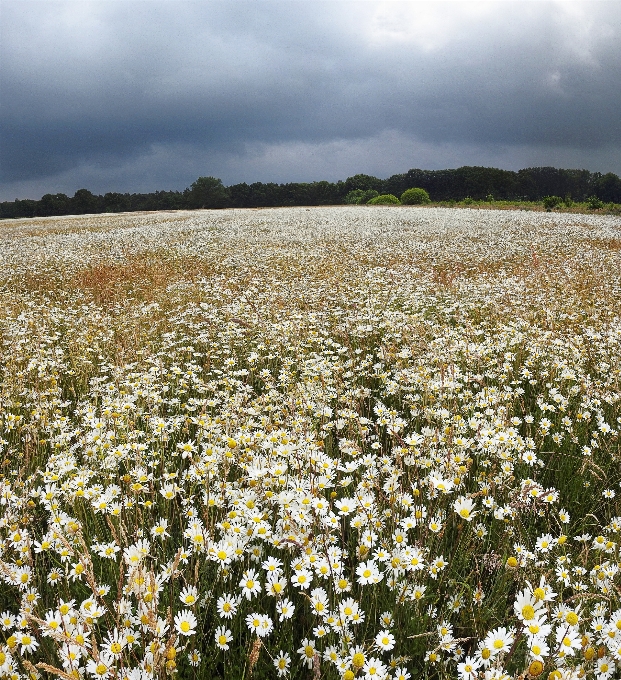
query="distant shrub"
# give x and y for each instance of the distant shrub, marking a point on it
(468, 200)
(384, 199)
(568, 201)
(489, 198)
(360, 196)
(551, 202)
(593, 203)
(415, 197)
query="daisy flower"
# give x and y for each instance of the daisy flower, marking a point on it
(526, 606)
(282, 662)
(468, 669)
(194, 657)
(272, 565)
(223, 636)
(464, 507)
(250, 584)
(368, 572)
(101, 668)
(401, 673)
(285, 609)
(185, 622)
(605, 668)
(302, 578)
(189, 595)
(538, 648)
(498, 640)
(385, 640)
(374, 669)
(568, 640)
(307, 652)
(27, 642)
(227, 606)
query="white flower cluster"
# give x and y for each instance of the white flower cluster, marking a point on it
(351, 442)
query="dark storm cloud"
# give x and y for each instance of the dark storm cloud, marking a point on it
(129, 94)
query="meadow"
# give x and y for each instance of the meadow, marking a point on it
(340, 442)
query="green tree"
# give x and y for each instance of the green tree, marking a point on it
(363, 182)
(116, 202)
(608, 188)
(84, 202)
(208, 192)
(53, 204)
(360, 196)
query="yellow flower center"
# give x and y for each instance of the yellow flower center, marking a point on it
(358, 660)
(536, 668)
(528, 612)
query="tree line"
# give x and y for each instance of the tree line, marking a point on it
(477, 183)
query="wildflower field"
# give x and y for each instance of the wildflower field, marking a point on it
(312, 443)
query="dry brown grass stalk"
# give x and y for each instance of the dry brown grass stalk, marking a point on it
(253, 657)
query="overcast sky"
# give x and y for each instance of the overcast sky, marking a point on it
(120, 95)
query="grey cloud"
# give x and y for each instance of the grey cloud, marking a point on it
(98, 88)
